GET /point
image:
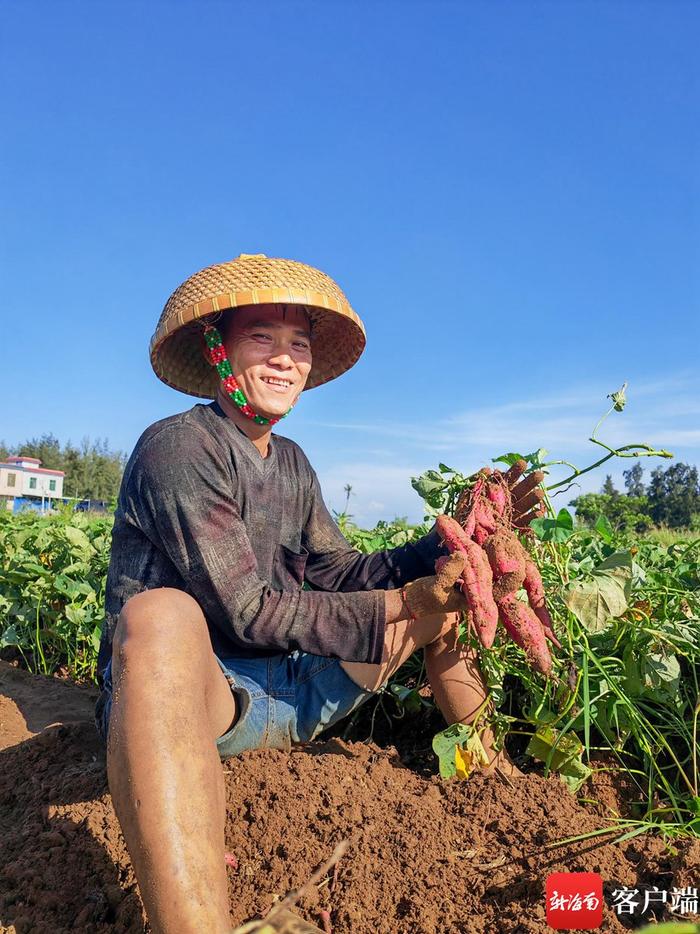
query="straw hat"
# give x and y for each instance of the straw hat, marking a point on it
(338, 335)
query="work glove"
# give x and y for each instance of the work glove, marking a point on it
(438, 593)
(526, 495)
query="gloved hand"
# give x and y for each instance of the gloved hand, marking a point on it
(437, 594)
(526, 496)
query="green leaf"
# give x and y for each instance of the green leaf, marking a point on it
(75, 615)
(633, 683)
(618, 398)
(443, 468)
(604, 529)
(535, 459)
(409, 698)
(612, 718)
(554, 530)
(430, 486)
(605, 596)
(78, 539)
(9, 637)
(661, 676)
(562, 754)
(444, 747)
(508, 459)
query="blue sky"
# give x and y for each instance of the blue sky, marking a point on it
(508, 193)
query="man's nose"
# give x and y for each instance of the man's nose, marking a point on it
(282, 358)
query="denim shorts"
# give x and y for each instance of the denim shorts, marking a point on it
(281, 700)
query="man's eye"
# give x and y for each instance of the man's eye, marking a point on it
(265, 336)
(302, 345)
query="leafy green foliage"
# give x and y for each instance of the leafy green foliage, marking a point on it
(674, 495)
(439, 489)
(459, 750)
(383, 536)
(599, 598)
(672, 499)
(52, 583)
(633, 480)
(444, 744)
(560, 752)
(624, 513)
(535, 459)
(608, 488)
(559, 529)
(627, 685)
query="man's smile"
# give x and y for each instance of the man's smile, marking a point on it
(279, 384)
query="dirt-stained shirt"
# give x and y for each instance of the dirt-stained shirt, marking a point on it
(202, 511)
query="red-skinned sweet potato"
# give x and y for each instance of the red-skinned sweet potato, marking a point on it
(535, 592)
(477, 580)
(526, 630)
(507, 559)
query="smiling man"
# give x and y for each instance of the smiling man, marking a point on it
(211, 645)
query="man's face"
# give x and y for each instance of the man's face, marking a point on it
(269, 347)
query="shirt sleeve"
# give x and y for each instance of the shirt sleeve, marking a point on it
(179, 493)
(334, 565)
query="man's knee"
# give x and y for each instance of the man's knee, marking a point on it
(156, 619)
(446, 634)
(440, 627)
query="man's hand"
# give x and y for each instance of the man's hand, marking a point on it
(526, 496)
(429, 595)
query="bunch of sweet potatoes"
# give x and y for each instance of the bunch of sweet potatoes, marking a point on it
(497, 565)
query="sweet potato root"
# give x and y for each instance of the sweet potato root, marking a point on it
(535, 592)
(526, 630)
(507, 558)
(477, 580)
(484, 521)
(498, 496)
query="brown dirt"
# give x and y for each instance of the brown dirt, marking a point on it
(426, 857)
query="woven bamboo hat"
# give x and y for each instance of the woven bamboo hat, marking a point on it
(338, 335)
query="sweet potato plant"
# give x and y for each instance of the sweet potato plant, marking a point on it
(623, 689)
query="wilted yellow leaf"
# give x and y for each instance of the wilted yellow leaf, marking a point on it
(470, 756)
(462, 764)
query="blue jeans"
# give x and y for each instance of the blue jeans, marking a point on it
(281, 700)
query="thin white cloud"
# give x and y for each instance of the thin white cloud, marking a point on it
(659, 412)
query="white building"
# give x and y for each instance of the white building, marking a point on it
(24, 477)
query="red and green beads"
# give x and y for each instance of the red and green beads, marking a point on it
(216, 353)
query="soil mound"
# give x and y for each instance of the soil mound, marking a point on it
(426, 857)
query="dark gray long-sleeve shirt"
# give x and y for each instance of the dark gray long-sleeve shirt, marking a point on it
(200, 510)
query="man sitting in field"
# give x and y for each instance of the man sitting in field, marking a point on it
(211, 646)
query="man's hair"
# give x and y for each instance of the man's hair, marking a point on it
(222, 319)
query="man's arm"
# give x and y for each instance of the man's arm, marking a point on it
(179, 494)
(334, 565)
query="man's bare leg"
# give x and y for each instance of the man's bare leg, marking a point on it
(452, 669)
(459, 691)
(170, 703)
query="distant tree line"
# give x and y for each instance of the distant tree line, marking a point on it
(92, 470)
(671, 498)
